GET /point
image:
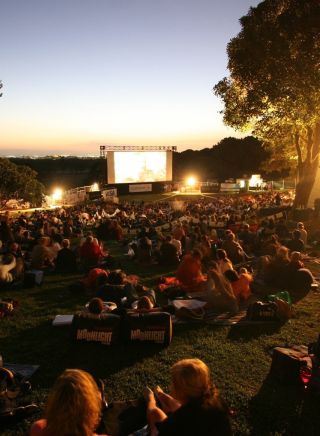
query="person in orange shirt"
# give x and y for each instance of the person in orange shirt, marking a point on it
(240, 283)
(189, 271)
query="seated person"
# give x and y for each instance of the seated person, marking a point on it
(41, 256)
(116, 231)
(178, 246)
(276, 270)
(240, 283)
(73, 408)
(194, 406)
(178, 232)
(296, 243)
(144, 249)
(224, 264)
(168, 253)
(6, 267)
(220, 296)
(299, 278)
(303, 233)
(205, 246)
(295, 261)
(270, 246)
(247, 238)
(189, 271)
(66, 261)
(112, 287)
(15, 251)
(234, 250)
(282, 229)
(91, 253)
(54, 247)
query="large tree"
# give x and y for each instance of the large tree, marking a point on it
(19, 182)
(274, 84)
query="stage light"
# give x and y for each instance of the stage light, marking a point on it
(94, 187)
(255, 181)
(191, 181)
(57, 194)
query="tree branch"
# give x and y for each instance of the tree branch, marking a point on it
(316, 142)
(309, 145)
(299, 153)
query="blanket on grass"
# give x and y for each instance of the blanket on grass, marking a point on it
(224, 319)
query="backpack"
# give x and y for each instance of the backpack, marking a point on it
(260, 311)
(287, 363)
(13, 388)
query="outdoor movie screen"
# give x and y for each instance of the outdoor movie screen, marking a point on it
(139, 166)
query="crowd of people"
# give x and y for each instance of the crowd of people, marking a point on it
(201, 239)
(221, 251)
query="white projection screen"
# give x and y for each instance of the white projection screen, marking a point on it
(139, 166)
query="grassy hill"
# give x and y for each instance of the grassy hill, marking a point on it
(239, 357)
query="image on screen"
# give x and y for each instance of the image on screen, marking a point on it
(140, 166)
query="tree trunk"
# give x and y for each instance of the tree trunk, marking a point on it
(308, 171)
(305, 185)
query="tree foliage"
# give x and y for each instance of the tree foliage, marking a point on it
(230, 158)
(19, 182)
(274, 83)
(67, 172)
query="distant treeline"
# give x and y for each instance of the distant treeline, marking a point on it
(68, 172)
(230, 158)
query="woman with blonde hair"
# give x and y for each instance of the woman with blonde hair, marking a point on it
(74, 407)
(194, 406)
(224, 263)
(220, 295)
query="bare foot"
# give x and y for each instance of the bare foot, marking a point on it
(148, 395)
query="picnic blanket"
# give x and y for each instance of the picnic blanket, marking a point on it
(223, 319)
(24, 370)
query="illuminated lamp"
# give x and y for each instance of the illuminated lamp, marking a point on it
(94, 187)
(191, 181)
(255, 181)
(57, 194)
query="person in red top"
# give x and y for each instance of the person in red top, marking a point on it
(73, 408)
(90, 252)
(189, 271)
(90, 282)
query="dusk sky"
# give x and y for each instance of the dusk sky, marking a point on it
(81, 73)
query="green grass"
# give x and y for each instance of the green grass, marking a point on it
(239, 357)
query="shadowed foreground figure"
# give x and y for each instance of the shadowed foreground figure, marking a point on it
(194, 408)
(74, 407)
